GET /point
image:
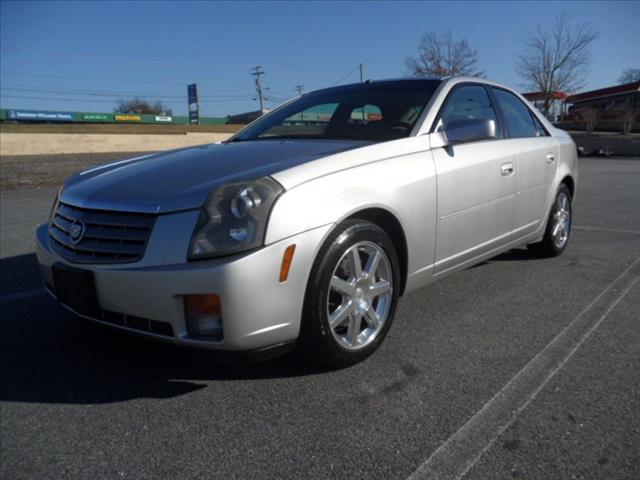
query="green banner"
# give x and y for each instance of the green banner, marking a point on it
(96, 117)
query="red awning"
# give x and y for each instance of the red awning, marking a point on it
(534, 96)
(605, 92)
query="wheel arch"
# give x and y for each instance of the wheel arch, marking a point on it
(570, 183)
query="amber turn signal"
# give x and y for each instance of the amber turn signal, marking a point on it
(203, 316)
(208, 304)
(287, 258)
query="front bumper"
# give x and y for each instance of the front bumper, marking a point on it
(257, 310)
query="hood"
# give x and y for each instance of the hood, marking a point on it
(182, 179)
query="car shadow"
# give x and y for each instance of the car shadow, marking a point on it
(51, 356)
(19, 274)
(48, 355)
(514, 255)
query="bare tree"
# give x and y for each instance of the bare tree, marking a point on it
(628, 118)
(556, 58)
(629, 75)
(141, 106)
(590, 116)
(441, 55)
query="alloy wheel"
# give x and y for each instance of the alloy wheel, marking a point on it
(561, 220)
(360, 295)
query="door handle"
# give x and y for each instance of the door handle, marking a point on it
(550, 157)
(506, 169)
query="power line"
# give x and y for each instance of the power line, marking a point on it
(278, 93)
(84, 79)
(132, 61)
(93, 100)
(220, 92)
(86, 100)
(346, 76)
(116, 94)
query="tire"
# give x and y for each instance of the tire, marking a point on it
(558, 231)
(347, 314)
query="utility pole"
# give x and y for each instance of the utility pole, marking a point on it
(362, 81)
(299, 88)
(257, 71)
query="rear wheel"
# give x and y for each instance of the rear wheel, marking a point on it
(351, 296)
(556, 236)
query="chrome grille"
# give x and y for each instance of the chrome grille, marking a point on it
(107, 237)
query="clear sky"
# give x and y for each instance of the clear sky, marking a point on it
(82, 56)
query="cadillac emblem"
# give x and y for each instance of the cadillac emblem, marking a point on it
(76, 231)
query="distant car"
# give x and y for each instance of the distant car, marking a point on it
(305, 227)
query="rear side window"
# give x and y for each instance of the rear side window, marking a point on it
(516, 115)
(542, 132)
(467, 102)
(366, 114)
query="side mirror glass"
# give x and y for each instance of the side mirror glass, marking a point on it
(469, 130)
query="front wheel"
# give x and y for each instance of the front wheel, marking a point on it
(351, 295)
(556, 236)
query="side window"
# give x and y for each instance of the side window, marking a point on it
(540, 130)
(516, 115)
(467, 102)
(310, 122)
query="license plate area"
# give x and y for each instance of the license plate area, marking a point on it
(76, 289)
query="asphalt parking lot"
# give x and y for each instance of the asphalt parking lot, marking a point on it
(516, 368)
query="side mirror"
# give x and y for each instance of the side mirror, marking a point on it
(469, 130)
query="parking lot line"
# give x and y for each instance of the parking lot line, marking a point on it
(10, 297)
(455, 457)
(607, 230)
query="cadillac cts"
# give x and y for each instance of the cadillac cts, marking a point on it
(305, 227)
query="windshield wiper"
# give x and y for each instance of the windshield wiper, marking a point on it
(306, 137)
(284, 137)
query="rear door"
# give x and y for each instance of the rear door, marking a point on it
(536, 161)
(476, 184)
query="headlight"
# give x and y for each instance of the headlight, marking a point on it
(234, 218)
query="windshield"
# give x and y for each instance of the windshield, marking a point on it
(375, 112)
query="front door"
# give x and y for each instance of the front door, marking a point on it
(476, 185)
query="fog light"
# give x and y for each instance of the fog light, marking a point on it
(203, 315)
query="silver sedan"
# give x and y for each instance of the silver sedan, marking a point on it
(305, 228)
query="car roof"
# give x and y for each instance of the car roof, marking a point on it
(394, 83)
(391, 84)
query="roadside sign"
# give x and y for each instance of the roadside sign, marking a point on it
(95, 117)
(40, 116)
(192, 94)
(127, 118)
(163, 118)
